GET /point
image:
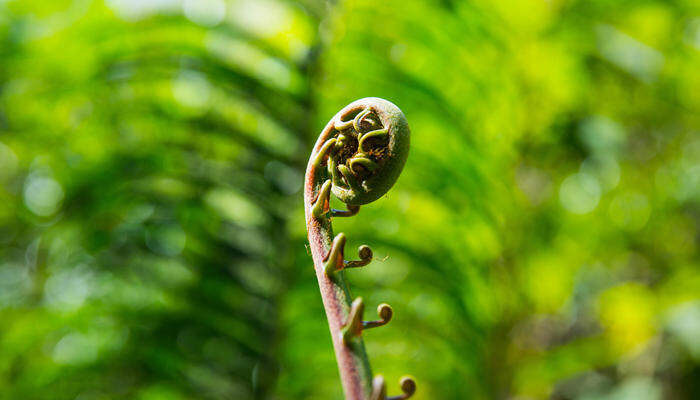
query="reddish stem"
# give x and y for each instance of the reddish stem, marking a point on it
(355, 371)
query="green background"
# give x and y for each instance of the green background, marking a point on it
(542, 241)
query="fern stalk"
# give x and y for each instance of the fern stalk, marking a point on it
(358, 157)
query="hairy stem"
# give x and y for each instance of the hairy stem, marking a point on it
(355, 371)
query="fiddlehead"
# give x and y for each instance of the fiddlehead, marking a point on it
(358, 157)
(367, 150)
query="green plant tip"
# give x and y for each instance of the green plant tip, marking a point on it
(371, 139)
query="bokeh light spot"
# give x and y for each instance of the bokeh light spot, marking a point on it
(207, 13)
(67, 290)
(75, 349)
(191, 89)
(579, 193)
(43, 195)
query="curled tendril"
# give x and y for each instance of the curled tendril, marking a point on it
(365, 253)
(366, 150)
(408, 387)
(355, 325)
(385, 313)
(334, 260)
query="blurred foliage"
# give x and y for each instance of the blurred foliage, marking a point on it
(542, 241)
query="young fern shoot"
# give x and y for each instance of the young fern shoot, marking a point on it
(358, 157)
